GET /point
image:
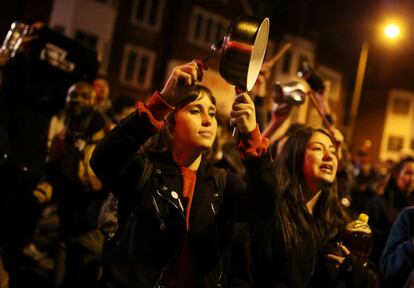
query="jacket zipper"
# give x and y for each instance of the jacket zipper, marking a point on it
(220, 278)
(157, 210)
(181, 208)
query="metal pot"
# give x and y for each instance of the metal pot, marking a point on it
(292, 92)
(243, 50)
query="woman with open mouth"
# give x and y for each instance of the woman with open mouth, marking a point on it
(298, 247)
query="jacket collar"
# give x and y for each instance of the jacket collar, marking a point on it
(205, 191)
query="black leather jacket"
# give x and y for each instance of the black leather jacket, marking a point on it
(159, 222)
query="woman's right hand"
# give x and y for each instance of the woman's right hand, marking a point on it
(335, 258)
(183, 75)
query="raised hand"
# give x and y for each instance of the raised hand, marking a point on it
(183, 75)
(243, 114)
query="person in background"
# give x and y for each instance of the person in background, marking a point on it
(365, 176)
(103, 102)
(297, 247)
(121, 108)
(4, 275)
(22, 150)
(180, 223)
(396, 263)
(384, 209)
(78, 192)
(224, 153)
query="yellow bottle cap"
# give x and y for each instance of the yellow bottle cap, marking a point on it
(363, 218)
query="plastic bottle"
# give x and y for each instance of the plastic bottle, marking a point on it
(357, 237)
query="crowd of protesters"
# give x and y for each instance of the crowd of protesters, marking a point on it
(159, 194)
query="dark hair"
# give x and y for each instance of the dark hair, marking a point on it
(293, 127)
(161, 142)
(392, 193)
(292, 215)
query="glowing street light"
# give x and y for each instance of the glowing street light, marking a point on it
(392, 31)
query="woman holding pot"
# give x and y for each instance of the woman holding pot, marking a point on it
(179, 227)
(298, 246)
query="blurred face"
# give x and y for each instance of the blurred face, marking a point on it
(405, 179)
(79, 99)
(196, 125)
(320, 163)
(101, 88)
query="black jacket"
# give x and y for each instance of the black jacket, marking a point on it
(159, 222)
(79, 204)
(254, 264)
(397, 264)
(383, 211)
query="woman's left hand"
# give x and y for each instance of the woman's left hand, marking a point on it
(243, 113)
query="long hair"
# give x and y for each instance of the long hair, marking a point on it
(292, 215)
(392, 194)
(162, 141)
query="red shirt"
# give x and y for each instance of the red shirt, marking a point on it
(189, 180)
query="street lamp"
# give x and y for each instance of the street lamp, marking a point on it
(391, 31)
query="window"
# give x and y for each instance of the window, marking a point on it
(400, 106)
(287, 60)
(148, 13)
(113, 3)
(86, 39)
(137, 66)
(395, 144)
(206, 27)
(301, 60)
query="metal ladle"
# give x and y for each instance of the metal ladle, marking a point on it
(214, 47)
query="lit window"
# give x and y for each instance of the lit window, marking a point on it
(401, 106)
(148, 13)
(137, 66)
(287, 60)
(206, 27)
(395, 144)
(301, 60)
